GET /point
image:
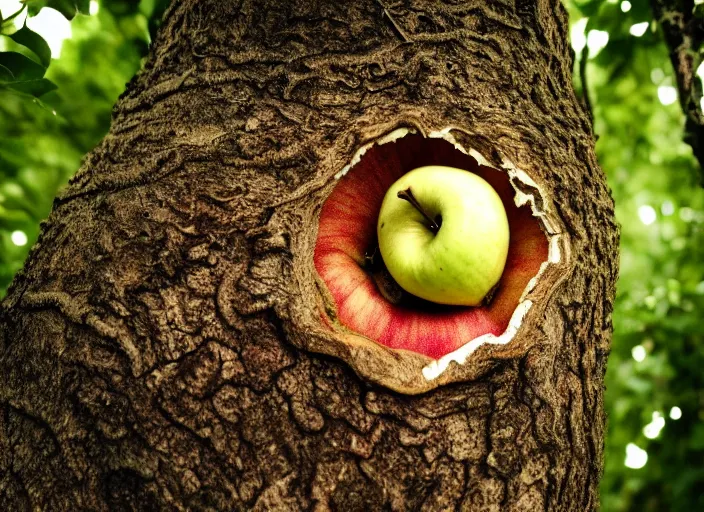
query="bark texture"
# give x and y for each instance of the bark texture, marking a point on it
(150, 349)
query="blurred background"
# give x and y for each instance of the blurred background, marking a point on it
(62, 70)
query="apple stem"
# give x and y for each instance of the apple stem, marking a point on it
(408, 196)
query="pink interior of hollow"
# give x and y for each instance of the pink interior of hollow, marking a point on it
(347, 230)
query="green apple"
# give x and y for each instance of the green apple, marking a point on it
(443, 235)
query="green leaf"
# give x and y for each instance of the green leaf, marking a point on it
(69, 8)
(34, 42)
(23, 75)
(21, 68)
(34, 88)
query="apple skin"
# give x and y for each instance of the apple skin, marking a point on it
(464, 260)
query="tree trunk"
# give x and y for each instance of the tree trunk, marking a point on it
(154, 351)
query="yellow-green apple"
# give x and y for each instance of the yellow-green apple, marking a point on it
(443, 234)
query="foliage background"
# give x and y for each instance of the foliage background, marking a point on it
(655, 391)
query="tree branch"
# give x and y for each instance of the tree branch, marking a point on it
(683, 33)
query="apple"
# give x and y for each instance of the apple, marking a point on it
(443, 234)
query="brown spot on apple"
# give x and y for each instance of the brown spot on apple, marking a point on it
(347, 229)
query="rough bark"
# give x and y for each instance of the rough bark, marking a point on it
(150, 349)
(683, 31)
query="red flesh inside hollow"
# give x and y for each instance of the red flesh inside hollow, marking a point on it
(347, 230)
